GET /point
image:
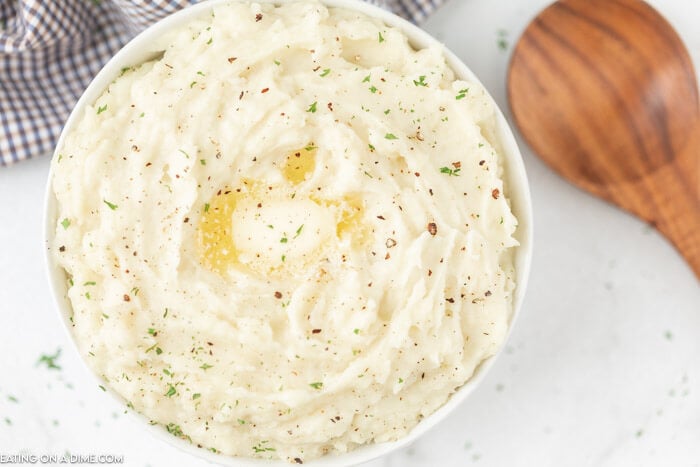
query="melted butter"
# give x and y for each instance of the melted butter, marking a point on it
(349, 215)
(214, 240)
(276, 229)
(299, 164)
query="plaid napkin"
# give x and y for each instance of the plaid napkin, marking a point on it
(51, 49)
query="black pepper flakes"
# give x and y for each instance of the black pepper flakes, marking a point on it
(62, 248)
(432, 228)
(278, 294)
(495, 192)
(390, 243)
(298, 460)
(127, 298)
(315, 331)
(232, 59)
(258, 17)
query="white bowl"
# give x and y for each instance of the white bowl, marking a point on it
(143, 48)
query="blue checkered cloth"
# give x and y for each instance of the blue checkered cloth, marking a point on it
(51, 49)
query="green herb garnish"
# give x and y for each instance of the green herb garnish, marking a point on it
(111, 205)
(175, 430)
(449, 171)
(50, 360)
(502, 41)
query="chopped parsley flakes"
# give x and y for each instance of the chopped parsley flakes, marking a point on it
(112, 206)
(50, 360)
(449, 171)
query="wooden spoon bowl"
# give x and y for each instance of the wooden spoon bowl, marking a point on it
(604, 91)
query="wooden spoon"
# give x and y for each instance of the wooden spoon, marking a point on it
(605, 92)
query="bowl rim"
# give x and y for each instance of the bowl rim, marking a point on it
(141, 49)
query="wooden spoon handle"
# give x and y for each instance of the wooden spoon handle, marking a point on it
(675, 190)
(668, 198)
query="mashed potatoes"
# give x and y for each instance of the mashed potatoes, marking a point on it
(287, 236)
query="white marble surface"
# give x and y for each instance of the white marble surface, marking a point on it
(602, 369)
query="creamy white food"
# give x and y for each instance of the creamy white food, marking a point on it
(288, 236)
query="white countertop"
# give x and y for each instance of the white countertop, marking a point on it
(602, 369)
